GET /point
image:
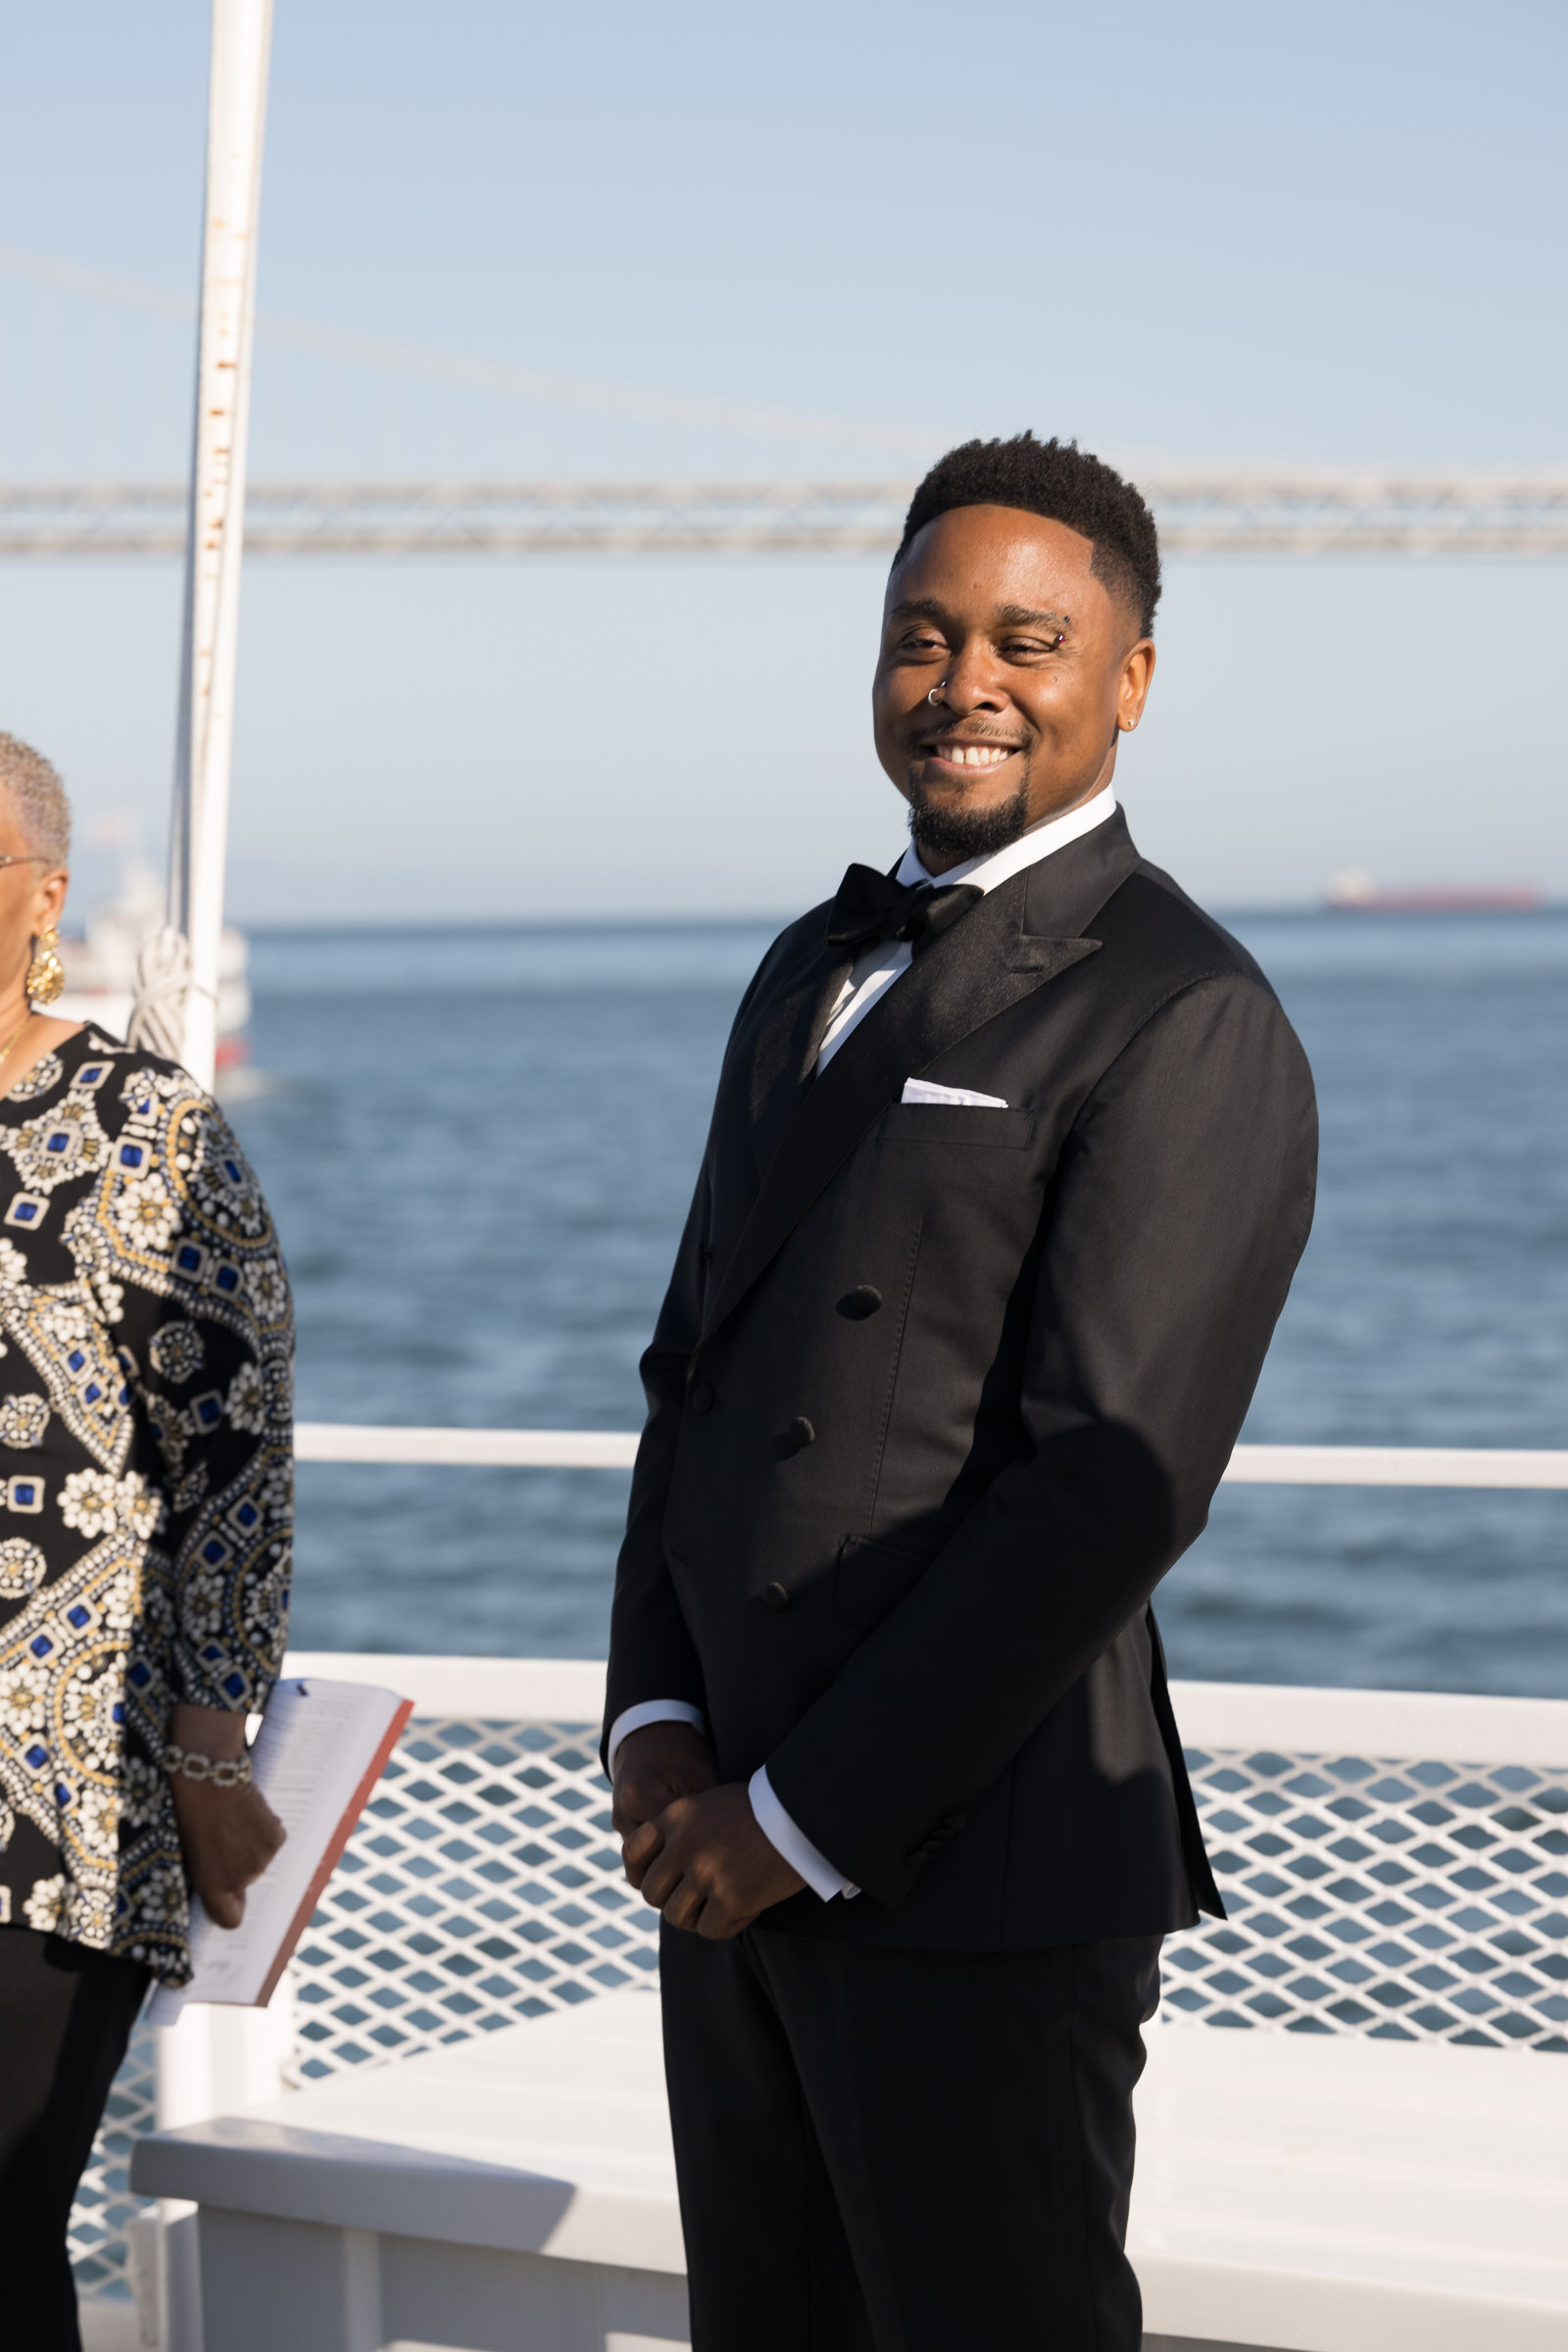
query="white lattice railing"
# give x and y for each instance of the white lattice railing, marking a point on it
(1394, 1864)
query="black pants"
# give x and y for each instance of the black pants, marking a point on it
(905, 2151)
(65, 2019)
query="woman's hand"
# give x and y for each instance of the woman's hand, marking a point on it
(229, 1835)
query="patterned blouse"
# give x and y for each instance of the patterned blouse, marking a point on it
(146, 1478)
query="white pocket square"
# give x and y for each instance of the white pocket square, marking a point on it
(921, 1090)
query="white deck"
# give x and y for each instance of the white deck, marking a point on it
(515, 2193)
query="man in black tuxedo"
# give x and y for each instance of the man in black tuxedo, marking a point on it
(1010, 1169)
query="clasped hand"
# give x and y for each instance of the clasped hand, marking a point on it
(691, 1843)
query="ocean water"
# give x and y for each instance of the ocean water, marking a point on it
(479, 1148)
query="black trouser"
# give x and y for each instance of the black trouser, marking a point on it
(66, 2016)
(905, 2151)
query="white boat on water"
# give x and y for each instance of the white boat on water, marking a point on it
(101, 964)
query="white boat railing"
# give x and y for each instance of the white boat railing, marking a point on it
(1395, 1865)
(1495, 1466)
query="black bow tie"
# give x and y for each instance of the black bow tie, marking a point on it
(873, 906)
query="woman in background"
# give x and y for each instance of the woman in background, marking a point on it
(146, 1484)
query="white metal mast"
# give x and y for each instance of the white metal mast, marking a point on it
(177, 994)
(213, 2057)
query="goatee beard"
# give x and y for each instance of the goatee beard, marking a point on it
(964, 832)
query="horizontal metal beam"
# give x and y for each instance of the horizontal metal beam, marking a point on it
(465, 1448)
(1495, 1466)
(1296, 1717)
(1297, 514)
(1250, 1465)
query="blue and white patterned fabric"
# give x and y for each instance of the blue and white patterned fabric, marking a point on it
(146, 1478)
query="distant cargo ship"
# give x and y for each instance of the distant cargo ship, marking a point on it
(1355, 893)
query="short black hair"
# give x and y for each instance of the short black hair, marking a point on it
(1063, 482)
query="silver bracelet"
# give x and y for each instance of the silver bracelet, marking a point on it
(224, 1772)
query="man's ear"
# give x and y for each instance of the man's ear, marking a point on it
(1136, 675)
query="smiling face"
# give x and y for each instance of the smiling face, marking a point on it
(1008, 673)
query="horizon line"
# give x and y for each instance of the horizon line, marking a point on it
(281, 927)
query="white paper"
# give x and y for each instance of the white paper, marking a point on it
(316, 1745)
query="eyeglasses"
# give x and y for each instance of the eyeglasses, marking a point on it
(27, 858)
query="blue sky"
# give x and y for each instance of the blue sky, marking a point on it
(1245, 232)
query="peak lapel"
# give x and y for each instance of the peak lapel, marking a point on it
(787, 1038)
(1067, 889)
(981, 968)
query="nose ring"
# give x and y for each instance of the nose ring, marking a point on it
(937, 692)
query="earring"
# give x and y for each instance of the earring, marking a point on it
(46, 974)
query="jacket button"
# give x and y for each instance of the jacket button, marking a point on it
(862, 1300)
(702, 1398)
(775, 1597)
(802, 1432)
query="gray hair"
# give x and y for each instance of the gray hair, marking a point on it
(38, 799)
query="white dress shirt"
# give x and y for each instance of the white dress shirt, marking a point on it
(868, 981)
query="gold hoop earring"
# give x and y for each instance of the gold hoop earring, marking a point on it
(46, 974)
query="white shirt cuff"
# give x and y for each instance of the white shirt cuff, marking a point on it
(650, 1710)
(798, 1850)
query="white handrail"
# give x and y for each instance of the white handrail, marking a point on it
(1396, 1466)
(1461, 1725)
(499, 1449)
(1250, 1465)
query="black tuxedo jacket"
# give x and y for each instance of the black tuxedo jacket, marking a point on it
(938, 1394)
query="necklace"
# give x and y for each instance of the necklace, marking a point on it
(5, 1049)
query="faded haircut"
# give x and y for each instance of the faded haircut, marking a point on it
(38, 799)
(1065, 484)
